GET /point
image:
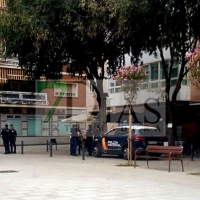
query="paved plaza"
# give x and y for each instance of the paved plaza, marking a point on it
(41, 177)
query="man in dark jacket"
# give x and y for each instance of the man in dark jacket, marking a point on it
(13, 135)
(89, 140)
(74, 140)
(5, 136)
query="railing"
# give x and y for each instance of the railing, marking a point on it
(11, 62)
(28, 98)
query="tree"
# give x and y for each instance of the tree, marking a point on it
(95, 42)
(156, 25)
(45, 35)
(130, 78)
(193, 64)
(32, 32)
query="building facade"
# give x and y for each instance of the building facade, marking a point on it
(37, 108)
(153, 90)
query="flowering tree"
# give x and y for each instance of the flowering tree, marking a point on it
(130, 78)
(194, 67)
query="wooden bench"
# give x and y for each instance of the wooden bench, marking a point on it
(172, 152)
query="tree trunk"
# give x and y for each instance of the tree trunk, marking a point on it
(130, 156)
(171, 120)
(101, 99)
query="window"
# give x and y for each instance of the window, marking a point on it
(10, 116)
(154, 72)
(175, 69)
(173, 82)
(111, 83)
(121, 132)
(162, 74)
(113, 86)
(118, 89)
(174, 72)
(72, 91)
(111, 133)
(111, 91)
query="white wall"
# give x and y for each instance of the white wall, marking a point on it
(146, 58)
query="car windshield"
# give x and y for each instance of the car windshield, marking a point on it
(120, 131)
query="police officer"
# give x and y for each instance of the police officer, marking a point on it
(13, 135)
(79, 140)
(5, 136)
(70, 135)
(89, 140)
(74, 139)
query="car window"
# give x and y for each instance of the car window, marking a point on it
(145, 132)
(136, 132)
(111, 133)
(121, 132)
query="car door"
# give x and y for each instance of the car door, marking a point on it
(120, 140)
(107, 141)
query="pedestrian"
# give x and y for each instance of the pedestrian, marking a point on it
(70, 136)
(90, 138)
(74, 140)
(5, 136)
(79, 140)
(13, 135)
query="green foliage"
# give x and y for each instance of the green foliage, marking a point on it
(155, 25)
(95, 39)
(46, 34)
(31, 31)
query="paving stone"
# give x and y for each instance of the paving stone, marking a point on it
(64, 177)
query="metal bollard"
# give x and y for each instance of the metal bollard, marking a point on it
(22, 147)
(47, 145)
(83, 150)
(51, 153)
(192, 155)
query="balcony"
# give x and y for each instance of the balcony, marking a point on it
(24, 98)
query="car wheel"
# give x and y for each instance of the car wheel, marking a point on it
(125, 152)
(96, 151)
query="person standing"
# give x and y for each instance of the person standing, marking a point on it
(84, 138)
(13, 135)
(5, 136)
(74, 139)
(90, 138)
(70, 136)
(79, 140)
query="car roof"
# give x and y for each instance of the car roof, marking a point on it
(136, 127)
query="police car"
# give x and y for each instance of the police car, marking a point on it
(115, 141)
